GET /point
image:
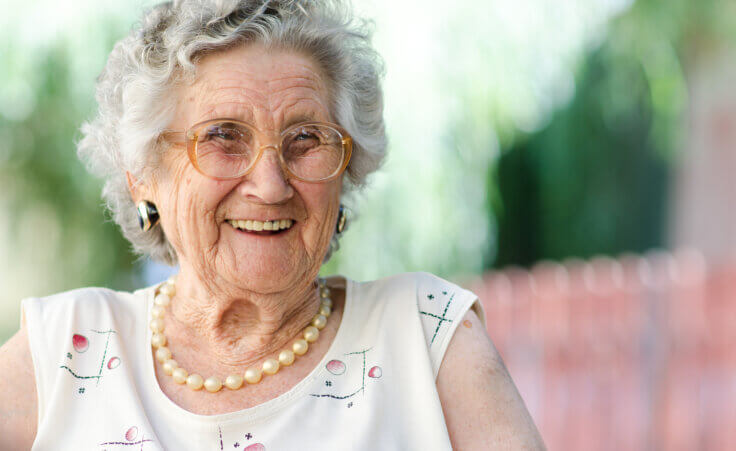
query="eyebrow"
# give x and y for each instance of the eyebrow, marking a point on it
(248, 118)
(215, 112)
(299, 118)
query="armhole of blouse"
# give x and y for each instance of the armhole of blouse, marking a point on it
(30, 318)
(480, 312)
(468, 300)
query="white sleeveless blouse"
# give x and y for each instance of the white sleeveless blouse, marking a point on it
(374, 389)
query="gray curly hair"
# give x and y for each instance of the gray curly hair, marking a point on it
(136, 101)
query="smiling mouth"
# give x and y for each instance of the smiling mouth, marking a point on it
(261, 227)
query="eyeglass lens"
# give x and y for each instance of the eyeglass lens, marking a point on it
(228, 149)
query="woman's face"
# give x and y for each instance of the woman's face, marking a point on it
(270, 89)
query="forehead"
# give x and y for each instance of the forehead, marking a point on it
(267, 87)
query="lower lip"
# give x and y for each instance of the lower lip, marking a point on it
(264, 233)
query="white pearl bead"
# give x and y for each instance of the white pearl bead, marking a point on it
(194, 381)
(212, 384)
(319, 321)
(253, 375)
(324, 292)
(157, 311)
(234, 381)
(168, 289)
(158, 340)
(271, 366)
(300, 347)
(286, 357)
(163, 354)
(327, 302)
(311, 334)
(157, 325)
(325, 311)
(169, 366)
(172, 280)
(179, 375)
(162, 299)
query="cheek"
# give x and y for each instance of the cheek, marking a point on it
(196, 203)
(321, 199)
(323, 204)
(186, 189)
(189, 206)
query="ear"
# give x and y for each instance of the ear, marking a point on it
(138, 191)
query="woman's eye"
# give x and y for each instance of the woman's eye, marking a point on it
(303, 136)
(225, 134)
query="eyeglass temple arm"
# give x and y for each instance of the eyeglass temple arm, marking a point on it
(174, 137)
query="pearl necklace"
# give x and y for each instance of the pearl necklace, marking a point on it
(253, 374)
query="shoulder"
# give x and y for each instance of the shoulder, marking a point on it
(414, 285)
(18, 398)
(415, 293)
(422, 293)
(92, 303)
(87, 296)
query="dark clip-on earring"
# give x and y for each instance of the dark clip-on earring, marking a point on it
(342, 217)
(147, 215)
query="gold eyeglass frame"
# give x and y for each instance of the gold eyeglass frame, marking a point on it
(191, 136)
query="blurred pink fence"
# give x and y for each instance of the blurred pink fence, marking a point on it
(637, 353)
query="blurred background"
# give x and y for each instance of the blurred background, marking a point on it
(570, 161)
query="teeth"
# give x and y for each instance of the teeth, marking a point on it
(250, 224)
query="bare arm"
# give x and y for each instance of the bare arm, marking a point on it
(483, 410)
(18, 399)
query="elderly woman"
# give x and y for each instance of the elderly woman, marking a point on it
(229, 133)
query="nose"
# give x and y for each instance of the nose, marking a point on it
(266, 183)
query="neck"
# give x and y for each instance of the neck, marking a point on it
(233, 328)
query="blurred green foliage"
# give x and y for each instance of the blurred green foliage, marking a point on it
(594, 181)
(42, 169)
(596, 178)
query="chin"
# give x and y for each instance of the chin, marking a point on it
(264, 264)
(266, 275)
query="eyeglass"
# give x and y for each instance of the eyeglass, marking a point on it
(225, 149)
